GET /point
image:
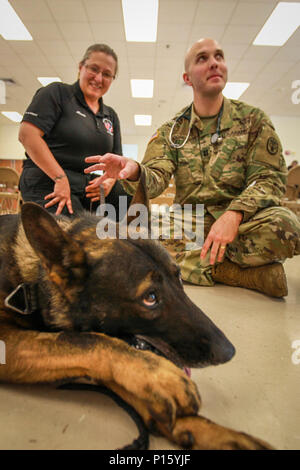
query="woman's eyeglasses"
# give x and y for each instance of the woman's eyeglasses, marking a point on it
(93, 70)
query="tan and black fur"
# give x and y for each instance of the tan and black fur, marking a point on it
(92, 293)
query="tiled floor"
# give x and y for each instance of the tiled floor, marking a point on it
(257, 392)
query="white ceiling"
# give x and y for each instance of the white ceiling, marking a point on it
(63, 29)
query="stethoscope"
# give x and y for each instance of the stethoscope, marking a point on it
(216, 138)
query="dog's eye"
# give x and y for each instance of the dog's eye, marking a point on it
(150, 299)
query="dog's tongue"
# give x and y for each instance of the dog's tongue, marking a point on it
(188, 371)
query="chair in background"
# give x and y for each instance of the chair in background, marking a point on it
(292, 195)
(10, 196)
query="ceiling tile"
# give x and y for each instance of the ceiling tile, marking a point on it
(141, 64)
(67, 10)
(54, 47)
(141, 49)
(171, 50)
(106, 32)
(104, 11)
(262, 53)
(177, 12)
(199, 31)
(216, 12)
(80, 31)
(251, 13)
(78, 48)
(172, 32)
(246, 71)
(239, 34)
(32, 11)
(44, 30)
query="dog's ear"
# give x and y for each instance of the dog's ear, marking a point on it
(62, 256)
(140, 197)
(138, 215)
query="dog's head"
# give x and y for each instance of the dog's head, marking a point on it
(122, 287)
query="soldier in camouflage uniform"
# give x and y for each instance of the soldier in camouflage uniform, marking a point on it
(239, 179)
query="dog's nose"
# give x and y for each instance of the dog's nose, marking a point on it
(223, 352)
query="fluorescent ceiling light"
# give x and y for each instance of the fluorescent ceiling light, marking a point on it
(11, 27)
(141, 88)
(46, 80)
(233, 90)
(282, 23)
(12, 115)
(140, 20)
(142, 119)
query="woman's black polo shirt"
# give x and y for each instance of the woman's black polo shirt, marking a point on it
(71, 130)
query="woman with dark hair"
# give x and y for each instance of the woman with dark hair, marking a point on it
(61, 127)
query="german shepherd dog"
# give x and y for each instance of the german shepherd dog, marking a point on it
(82, 296)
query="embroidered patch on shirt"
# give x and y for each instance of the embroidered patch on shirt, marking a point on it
(108, 126)
(272, 145)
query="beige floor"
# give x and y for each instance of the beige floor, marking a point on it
(257, 392)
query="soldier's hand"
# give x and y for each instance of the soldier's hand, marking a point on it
(114, 166)
(92, 190)
(222, 232)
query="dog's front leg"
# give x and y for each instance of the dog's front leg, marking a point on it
(195, 432)
(34, 357)
(199, 433)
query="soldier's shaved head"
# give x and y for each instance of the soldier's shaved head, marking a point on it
(194, 49)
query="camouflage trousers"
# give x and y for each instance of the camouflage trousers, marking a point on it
(272, 234)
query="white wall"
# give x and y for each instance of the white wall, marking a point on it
(10, 147)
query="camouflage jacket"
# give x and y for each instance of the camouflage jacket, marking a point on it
(245, 172)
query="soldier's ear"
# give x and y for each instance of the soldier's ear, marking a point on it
(186, 79)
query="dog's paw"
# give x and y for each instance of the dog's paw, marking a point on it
(164, 390)
(198, 433)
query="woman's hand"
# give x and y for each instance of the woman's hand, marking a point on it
(114, 166)
(93, 189)
(222, 232)
(32, 139)
(61, 195)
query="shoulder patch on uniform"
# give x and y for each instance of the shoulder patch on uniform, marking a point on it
(272, 145)
(153, 137)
